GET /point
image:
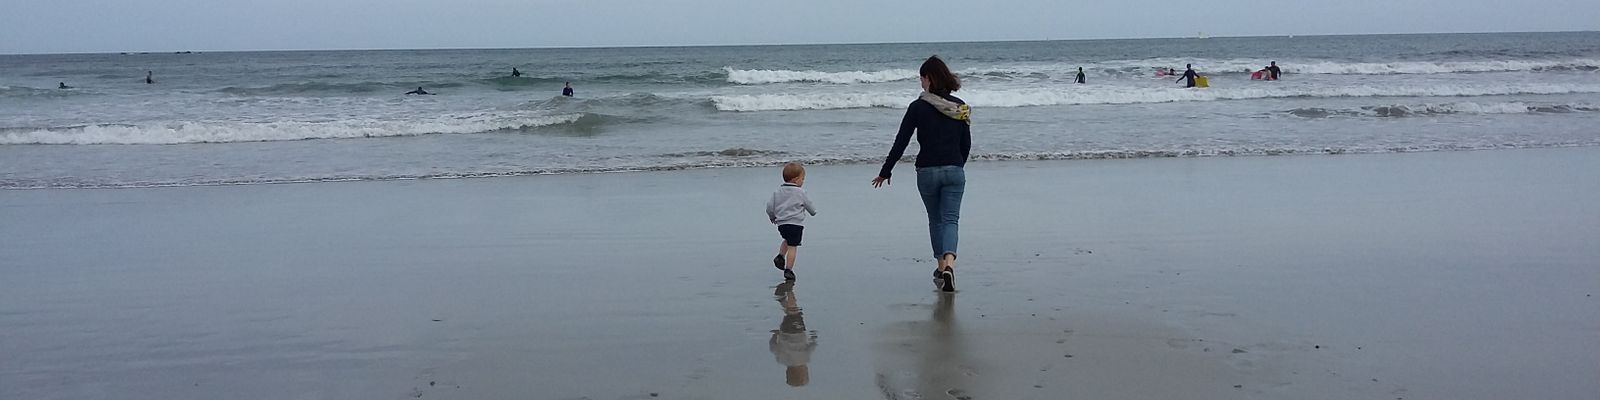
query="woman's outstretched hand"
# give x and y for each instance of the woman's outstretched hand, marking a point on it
(878, 182)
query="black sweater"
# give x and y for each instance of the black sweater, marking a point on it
(944, 140)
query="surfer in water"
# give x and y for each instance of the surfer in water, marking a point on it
(149, 77)
(515, 73)
(1189, 75)
(1272, 71)
(567, 91)
(1080, 75)
(63, 86)
(419, 91)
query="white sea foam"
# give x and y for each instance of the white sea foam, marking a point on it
(1427, 109)
(764, 161)
(763, 76)
(227, 132)
(1404, 67)
(1124, 95)
(1067, 71)
(1476, 108)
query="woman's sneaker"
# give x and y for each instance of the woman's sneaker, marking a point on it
(778, 262)
(788, 275)
(949, 281)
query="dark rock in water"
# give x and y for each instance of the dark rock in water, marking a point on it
(430, 383)
(958, 394)
(654, 394)
(1238, 386)
(1237, 351)
(1311, 112)
(1391, 111)
(1317, 346)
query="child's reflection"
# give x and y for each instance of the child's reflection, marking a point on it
(791, 344)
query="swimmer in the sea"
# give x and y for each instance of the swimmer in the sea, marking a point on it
(1189, 75)
(419, 91)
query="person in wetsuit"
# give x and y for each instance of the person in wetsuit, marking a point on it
(567, 91)
(515, 73)
(419, 91)
(1273, 70)
(63, 86)
(1080, 75)
(149, 77)
(1189, 75)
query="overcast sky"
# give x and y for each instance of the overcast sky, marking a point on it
(66, 26)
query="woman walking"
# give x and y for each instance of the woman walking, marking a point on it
(943, 127)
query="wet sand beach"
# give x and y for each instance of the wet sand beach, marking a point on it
(1454, 275)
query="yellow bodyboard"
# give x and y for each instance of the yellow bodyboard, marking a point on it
(1201, 81)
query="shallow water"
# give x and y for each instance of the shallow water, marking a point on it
(217, 118)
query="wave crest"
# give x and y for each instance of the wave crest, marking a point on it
(764, 76)
(230, 132)
(1124, 95)
(739, 157)
(1407, 110)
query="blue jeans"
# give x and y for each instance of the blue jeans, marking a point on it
(941, 189)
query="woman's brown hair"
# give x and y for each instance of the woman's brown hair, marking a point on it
(940, 80)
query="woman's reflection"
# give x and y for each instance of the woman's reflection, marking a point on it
(927, 358)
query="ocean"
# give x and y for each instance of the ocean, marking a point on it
(215, 118)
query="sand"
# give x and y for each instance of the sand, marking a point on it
(1461, 275)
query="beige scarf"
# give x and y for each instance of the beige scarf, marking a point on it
(954, 110)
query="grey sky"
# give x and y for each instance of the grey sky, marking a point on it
(55, 26)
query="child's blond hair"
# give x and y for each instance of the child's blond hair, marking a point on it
(793, 170)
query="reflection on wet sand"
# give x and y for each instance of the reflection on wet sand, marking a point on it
(791, 344)
(927, 359)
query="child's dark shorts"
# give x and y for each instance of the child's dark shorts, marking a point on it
(791, 233)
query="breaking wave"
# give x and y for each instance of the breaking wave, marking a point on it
(742, 158)
(230, 132)
(763, 76)
(1143, 67)
(1380, 68)
(1408, 110)
(1126, 95)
